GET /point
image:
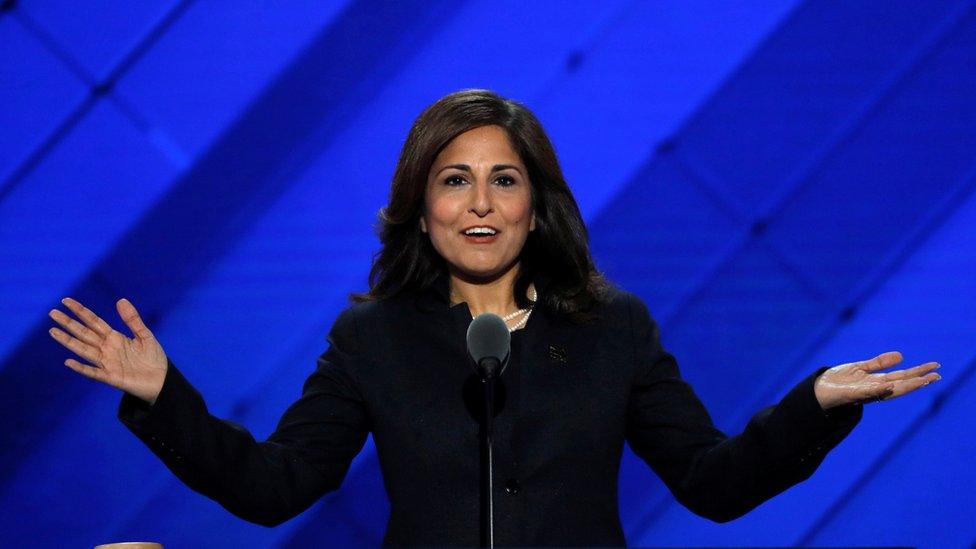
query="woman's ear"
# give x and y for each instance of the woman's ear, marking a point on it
(532, 223)
(423, 225)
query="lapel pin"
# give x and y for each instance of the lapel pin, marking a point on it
(557, 353)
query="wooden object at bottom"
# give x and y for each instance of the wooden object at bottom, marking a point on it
(131, 545)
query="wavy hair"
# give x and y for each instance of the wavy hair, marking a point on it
(558, 247)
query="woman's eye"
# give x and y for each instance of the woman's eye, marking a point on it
(455, 180)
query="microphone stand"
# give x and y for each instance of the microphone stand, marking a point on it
(489, 368)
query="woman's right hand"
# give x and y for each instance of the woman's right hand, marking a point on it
(135, 365)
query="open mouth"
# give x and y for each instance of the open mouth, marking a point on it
(482, 234)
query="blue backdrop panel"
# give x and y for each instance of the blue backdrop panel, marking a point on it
(907, 155)
(665, 248)
(787, 184)
(95, 36)
(630, 86)
(215, 59)
(38, 92)
(813, 79)
(101, 177)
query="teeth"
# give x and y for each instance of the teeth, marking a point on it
(480, 230)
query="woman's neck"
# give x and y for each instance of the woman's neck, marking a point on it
(486, 296)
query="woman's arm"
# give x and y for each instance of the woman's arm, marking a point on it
(263, 482)
(713, 475)
(267, 482)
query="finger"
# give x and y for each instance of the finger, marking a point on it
(909, 373)
(92, 320)
(76, 328)
(90, 372)
(78, 347)
(882, 361)
(907, 386)
(132, 319)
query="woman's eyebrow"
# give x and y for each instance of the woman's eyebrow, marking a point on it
(500, 167)
(495, 168)
(462, 167)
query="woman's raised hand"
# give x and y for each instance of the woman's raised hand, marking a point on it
(136, 365)
(860, 382)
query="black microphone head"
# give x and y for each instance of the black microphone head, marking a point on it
(489, 343)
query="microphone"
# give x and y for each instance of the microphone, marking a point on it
(489, 344)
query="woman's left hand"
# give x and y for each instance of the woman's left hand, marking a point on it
(859, 382)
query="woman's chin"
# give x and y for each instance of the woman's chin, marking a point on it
(480, 273)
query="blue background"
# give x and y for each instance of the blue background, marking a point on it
(786, 184)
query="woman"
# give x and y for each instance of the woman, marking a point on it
(480, 220)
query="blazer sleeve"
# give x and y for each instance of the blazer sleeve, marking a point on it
(266, 482)
(714, 475)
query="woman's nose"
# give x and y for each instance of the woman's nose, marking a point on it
(481, 201)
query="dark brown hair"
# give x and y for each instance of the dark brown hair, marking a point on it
(557, 247)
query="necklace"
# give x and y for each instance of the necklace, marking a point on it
(506, 318)
(527, 312)
(521, 323)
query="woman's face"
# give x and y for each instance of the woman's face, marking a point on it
(478, 182)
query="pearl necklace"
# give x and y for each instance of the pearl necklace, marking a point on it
(526, 311)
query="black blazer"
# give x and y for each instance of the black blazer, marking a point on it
(573, 394)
